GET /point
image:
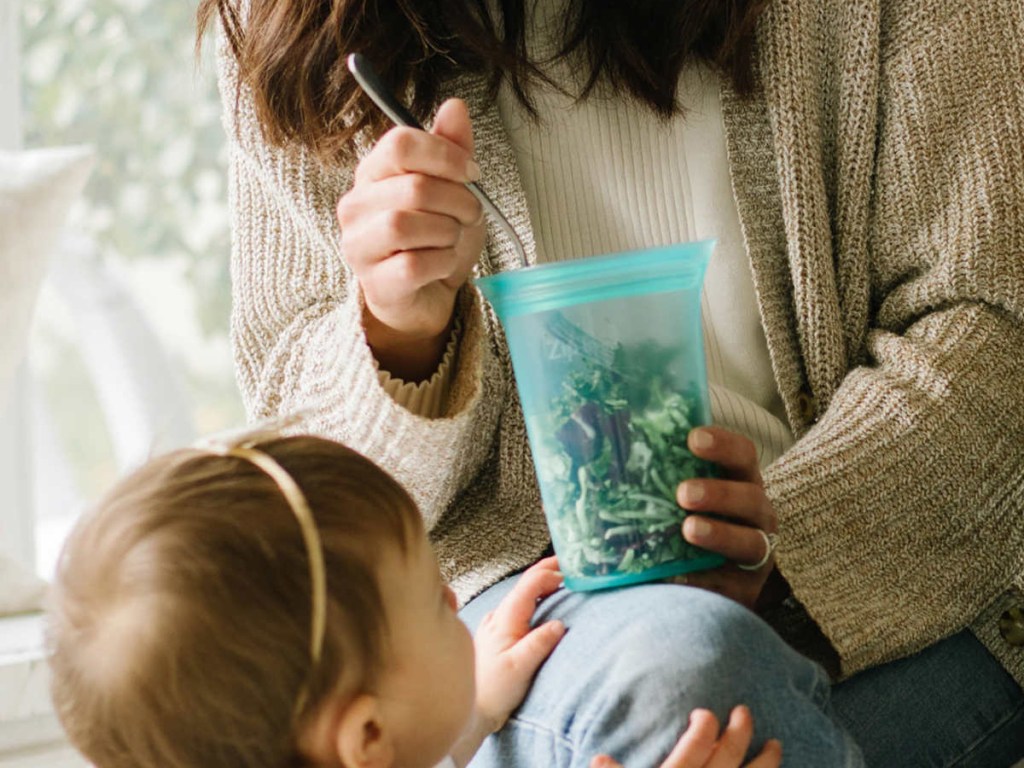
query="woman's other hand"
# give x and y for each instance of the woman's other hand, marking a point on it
(411, 232)
(701, 745)
(742, 511)
(508, 650)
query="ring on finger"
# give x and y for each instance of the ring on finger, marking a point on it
(771, 540)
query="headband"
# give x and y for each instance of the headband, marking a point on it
(307, 524)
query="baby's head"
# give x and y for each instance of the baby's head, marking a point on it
(182, 619)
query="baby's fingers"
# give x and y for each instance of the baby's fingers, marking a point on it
(734, 741)
(528, 654)
(538, 581)
(544, 564)
(770, 756)
(513, 614)
(697, 744)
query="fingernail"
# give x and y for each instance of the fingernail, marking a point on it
(472, 171)
(693, 493)
(557, 627)
(701, 439)
(699, 529)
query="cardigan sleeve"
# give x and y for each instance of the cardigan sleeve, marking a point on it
(297, 330)
(902, 506)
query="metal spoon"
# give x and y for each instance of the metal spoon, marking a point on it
(382, 96)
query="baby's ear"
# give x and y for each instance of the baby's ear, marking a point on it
(361, 740)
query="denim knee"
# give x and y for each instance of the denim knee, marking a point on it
(635, 662)
(687, 648)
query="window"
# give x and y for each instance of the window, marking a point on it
(129, 352)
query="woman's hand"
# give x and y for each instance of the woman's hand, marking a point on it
(701, 746)
(411, 233)
(508, 651)
(738, 497)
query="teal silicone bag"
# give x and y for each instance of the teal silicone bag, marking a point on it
(608, 355)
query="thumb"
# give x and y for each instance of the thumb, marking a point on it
(452, 122)
(530, 652)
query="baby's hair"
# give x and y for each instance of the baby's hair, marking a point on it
(180, 618)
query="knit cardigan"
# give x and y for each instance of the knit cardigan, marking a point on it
(878, 172)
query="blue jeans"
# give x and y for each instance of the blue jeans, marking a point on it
(950, 706)
(635, 662)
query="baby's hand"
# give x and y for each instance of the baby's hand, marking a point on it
(508, 652)
(701, 746)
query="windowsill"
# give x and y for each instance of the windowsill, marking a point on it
(30, 733)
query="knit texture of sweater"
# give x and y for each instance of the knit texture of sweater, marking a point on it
(877, 173)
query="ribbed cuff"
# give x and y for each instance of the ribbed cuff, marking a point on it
(425, 398)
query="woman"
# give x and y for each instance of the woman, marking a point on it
(865, 313)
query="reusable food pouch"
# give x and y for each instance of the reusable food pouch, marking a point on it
(608, 355)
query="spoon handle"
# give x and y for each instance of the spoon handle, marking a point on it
(382, 96)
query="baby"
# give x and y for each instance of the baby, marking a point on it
(277, 604)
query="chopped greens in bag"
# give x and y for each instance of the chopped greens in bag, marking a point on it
(614, 453)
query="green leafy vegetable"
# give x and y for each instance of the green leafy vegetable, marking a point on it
(614, 453)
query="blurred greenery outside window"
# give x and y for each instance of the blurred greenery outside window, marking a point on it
(121, 75)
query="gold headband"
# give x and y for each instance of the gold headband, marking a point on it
(310, 535)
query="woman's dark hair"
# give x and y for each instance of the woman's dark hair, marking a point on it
(291, 54)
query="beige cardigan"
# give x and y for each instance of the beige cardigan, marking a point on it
(878, 175)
